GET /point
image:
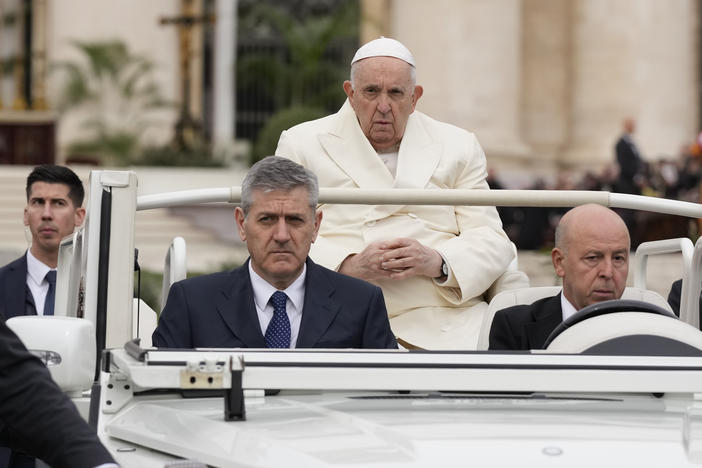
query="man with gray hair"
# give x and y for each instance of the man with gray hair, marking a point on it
(436, 275)
(279, 298)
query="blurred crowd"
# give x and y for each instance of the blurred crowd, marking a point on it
(532, 228)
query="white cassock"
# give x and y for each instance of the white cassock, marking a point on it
(432, 155)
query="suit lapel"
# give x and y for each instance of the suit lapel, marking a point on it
(417, 160)
(319, 310)
(235, 304)
(419, 155)
(18, 304)
(350, 149)
(546, 318)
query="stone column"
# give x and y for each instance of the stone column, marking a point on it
(546, 80)
(468, 58)
(632, 58)
(223, 71)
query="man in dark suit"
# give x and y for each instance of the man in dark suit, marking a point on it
(631, 168)
(27, 285)
(279, 298)
(591, 255)
(37, 418)
(628, 158)
(54, 198)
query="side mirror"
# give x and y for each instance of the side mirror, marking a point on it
(65, 344)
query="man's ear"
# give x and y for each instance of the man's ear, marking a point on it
(557, 259)
(239, 219)
(79, 217)
(348, 89)
(25, 217)
(317, 223)
(418, 91)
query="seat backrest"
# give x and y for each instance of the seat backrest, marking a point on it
(646, 295)
(529, 295)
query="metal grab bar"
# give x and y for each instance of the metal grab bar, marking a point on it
(355, 196)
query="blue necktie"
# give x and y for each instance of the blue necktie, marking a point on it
(278, 331)
(51, 293)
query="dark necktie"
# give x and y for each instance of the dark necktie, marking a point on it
(278, 331)
(51, 293)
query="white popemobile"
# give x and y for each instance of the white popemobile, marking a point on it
(622, 386)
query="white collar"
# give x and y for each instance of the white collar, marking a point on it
(263, 290)
(36, 269)
(566, 307)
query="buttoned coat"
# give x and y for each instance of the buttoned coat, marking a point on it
(432, 155)
(218, 311)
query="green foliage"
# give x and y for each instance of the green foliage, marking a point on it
(307, 76)
(268, 137)
(199, 154)
(150, 289)
(117, 95)
(299, 62)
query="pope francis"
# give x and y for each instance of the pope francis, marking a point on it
(433, 263)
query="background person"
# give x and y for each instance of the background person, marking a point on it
(592, 258)
(54, 198)
(434, 263)
(279, 298)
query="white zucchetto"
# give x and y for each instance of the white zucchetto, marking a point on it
(383, 47)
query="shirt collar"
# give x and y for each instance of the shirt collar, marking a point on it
(263, 290)
(566, 307)
(36, 269)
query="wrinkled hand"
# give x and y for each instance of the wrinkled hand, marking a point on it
(404, 258)
(366, 264)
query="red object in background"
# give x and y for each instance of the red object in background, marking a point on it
(27, 138)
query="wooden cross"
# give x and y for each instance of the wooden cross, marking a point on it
(187, 127)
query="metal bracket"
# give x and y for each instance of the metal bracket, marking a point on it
(117, 392)
(202, 376)
(234, 405)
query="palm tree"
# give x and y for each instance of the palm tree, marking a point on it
(117, 95)
(305, 80)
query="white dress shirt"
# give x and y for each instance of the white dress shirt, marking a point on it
(567, 308)
(262, 292)
(36, 271)
(390, 161)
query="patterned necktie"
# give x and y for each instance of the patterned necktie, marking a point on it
(278, 331)
(51, 293)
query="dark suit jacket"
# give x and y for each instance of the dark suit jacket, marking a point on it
(629, 164)
(16, 299)
(35, 415)
(524, 327)
(218, 311)
(14, 292)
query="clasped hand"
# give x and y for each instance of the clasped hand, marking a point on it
(395, 259)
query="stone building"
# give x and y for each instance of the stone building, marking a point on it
(546, 84)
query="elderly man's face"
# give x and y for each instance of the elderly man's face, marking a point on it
(383, 98)
(595, 263)
(278, 230)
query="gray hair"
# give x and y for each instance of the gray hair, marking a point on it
(276, 173)
(354, 70)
